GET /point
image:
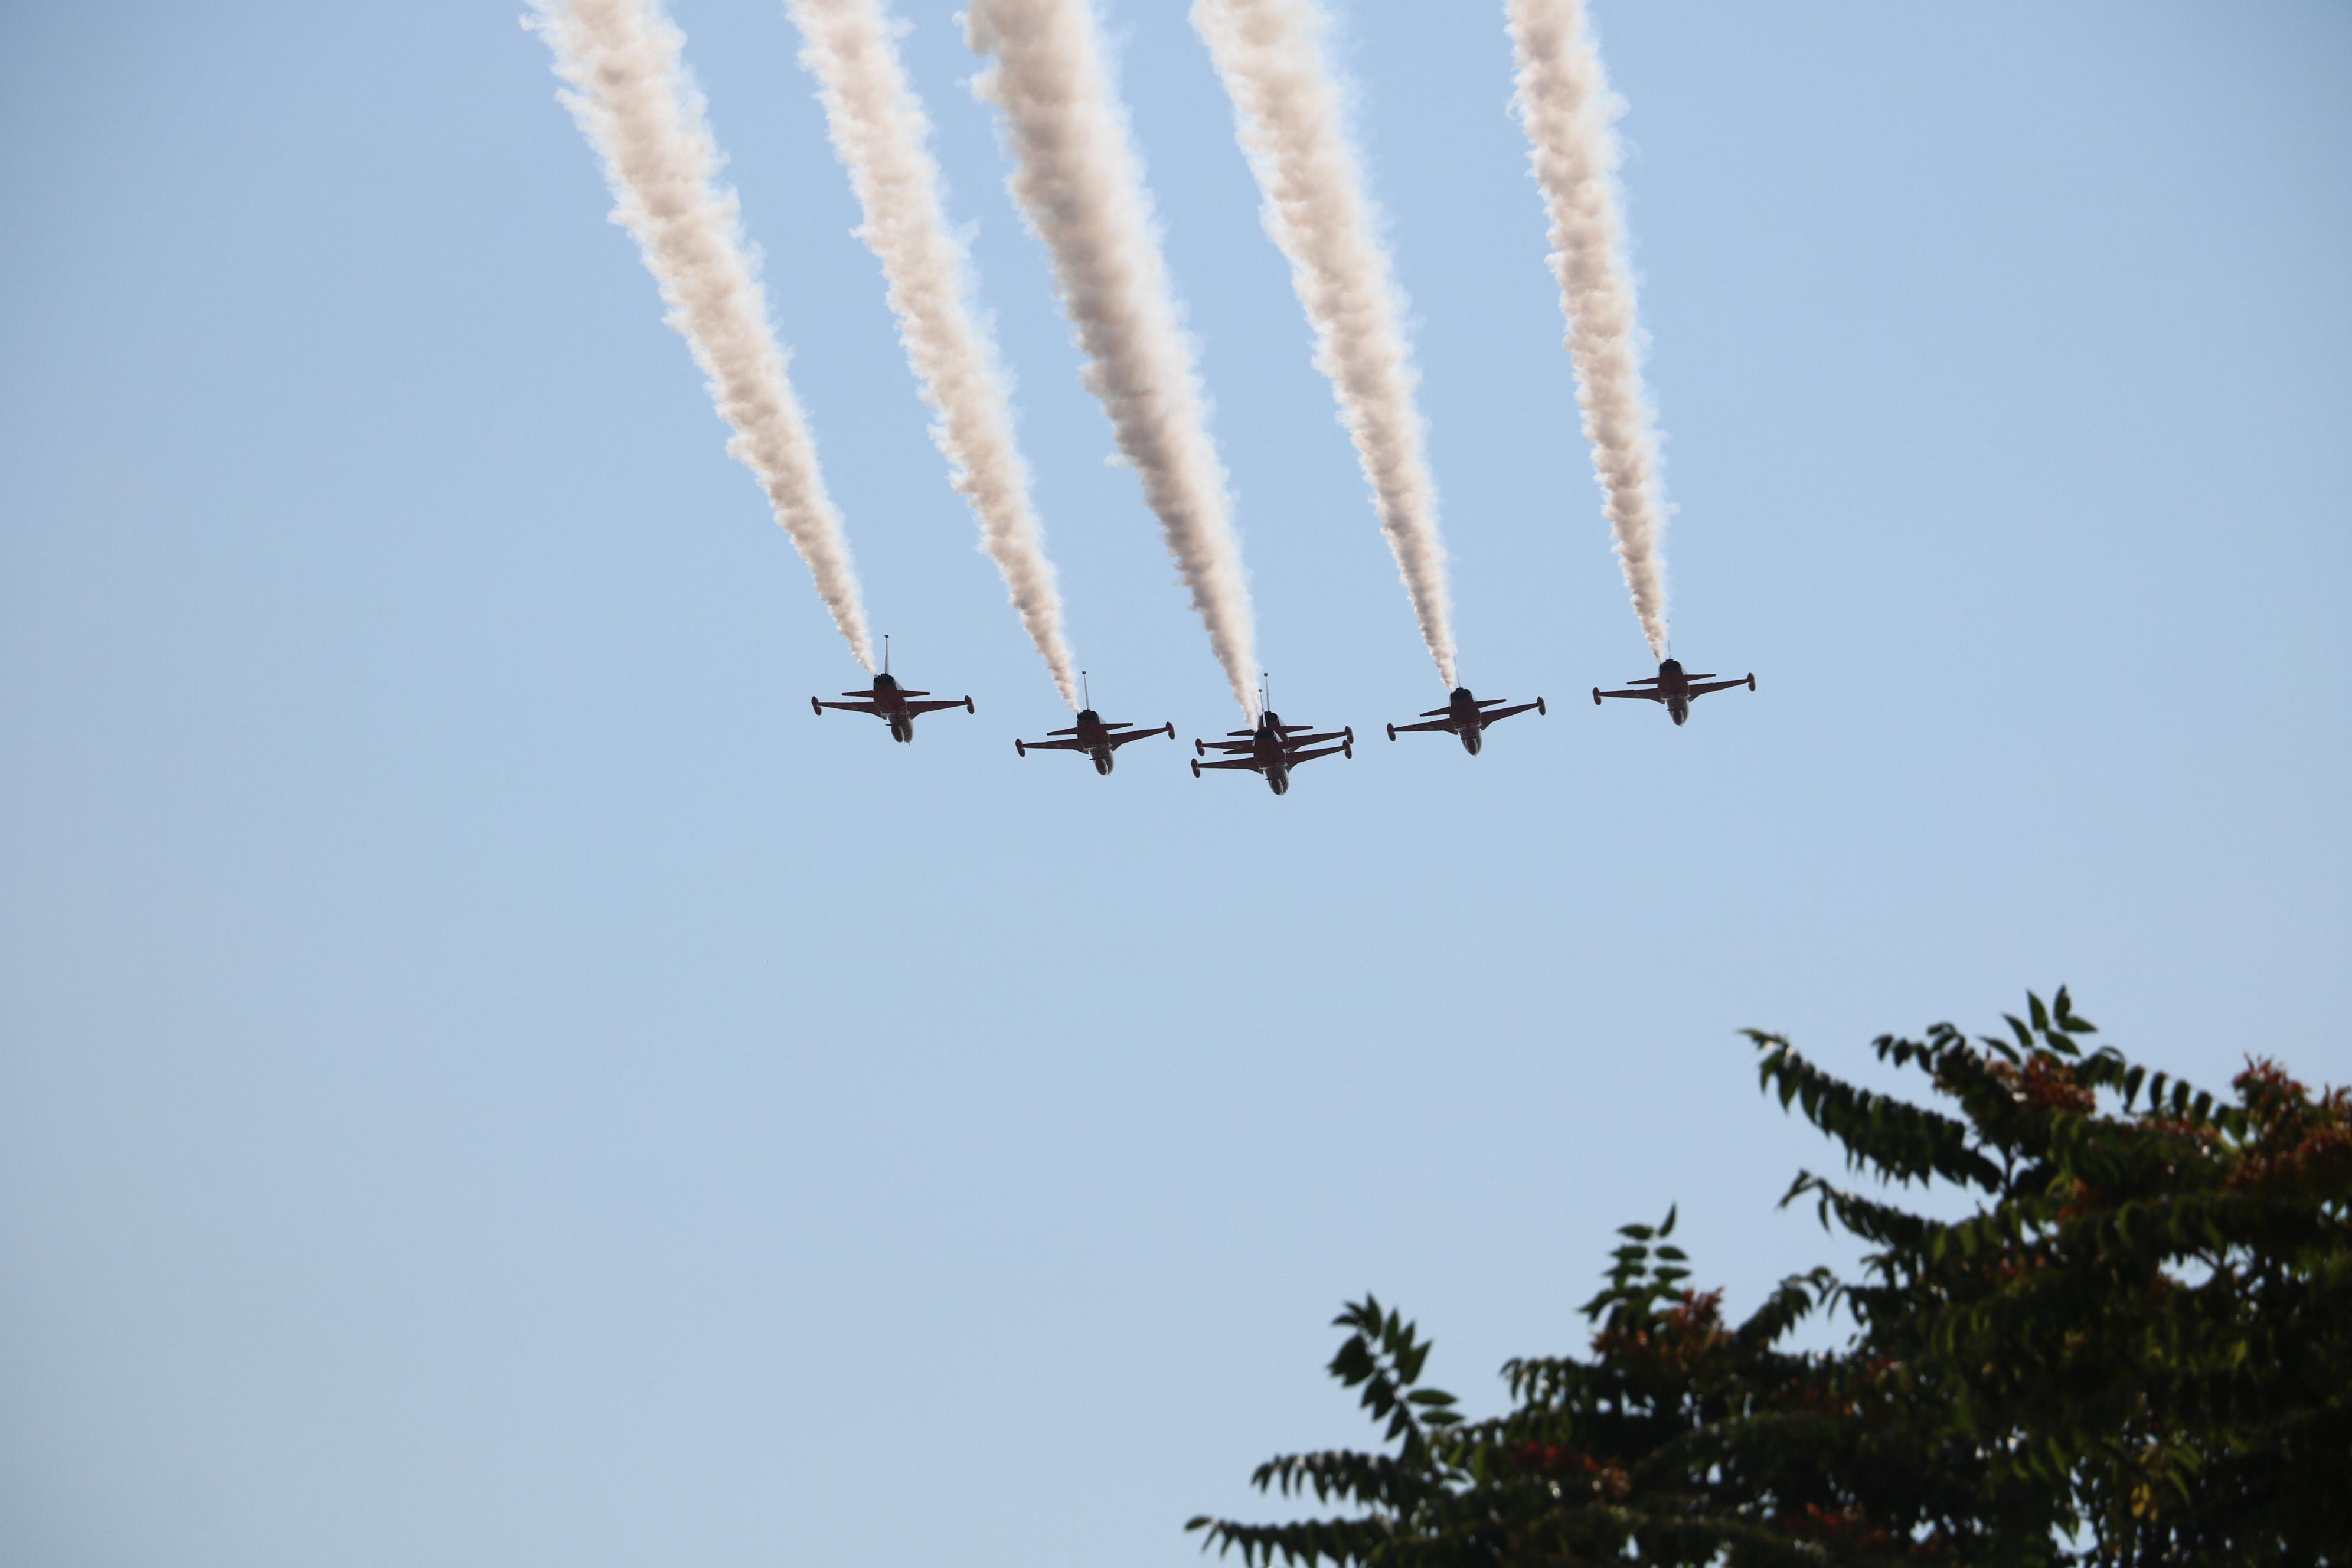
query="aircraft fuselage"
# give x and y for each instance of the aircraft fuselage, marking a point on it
(893, 703)
(1094, 740)
(1267, 751)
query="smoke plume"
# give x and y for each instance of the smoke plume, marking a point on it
(637, 103)
(1081, 188)
(1565, 105)
(880, 130)
(1291, 120)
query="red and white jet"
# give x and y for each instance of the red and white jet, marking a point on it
(1675, 688)
(1097, 739)
(1273, 749)
(1467, 717)
(891, 702)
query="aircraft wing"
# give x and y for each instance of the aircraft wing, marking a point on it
(1250, 763)
(1653, 695)
(1407, 729)
(1118, 740)
(1230, 745)
(851, 707)
(1044, 745)
(1290, 740)
(1507, 713)
(1717, 686)
(1299, 757)
(930, 707)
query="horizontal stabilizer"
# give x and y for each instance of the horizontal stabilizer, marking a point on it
(1071, 731)
(1437, 712)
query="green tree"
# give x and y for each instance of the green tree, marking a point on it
(2137, 1349)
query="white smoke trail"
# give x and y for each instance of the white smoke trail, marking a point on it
(637, 103)
(1288, 112)
(1565, 105)
(880, 130)
(1081, 188)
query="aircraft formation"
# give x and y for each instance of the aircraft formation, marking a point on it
(1269, 748)
(1079, 182)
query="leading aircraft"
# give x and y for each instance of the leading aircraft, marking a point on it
(888, 700)
(1465, 716)
(1093, 737)
(1675, 688)
(1273, 749)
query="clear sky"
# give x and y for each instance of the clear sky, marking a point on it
(486, 1078)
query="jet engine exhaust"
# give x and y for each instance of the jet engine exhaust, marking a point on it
(1289, 116)
(1080, 186)
(882, 134)
(635, 99)
(1565, 104)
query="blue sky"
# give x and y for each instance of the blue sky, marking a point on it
(487, 1078)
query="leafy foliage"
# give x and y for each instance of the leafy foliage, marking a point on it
(2137, 1348)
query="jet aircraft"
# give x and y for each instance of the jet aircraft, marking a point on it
(1675, 688)
(1093, 737)
(1465, 716)
(888, 702)
(1273, 749)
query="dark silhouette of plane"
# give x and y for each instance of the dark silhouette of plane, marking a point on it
(888, 700)
(1273, 749)
(1092, 736)
(1675, 688)
(1465, 716)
